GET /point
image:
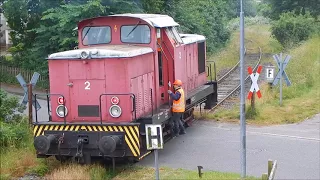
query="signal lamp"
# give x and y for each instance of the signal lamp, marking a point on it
(60, 100)
(115, 100)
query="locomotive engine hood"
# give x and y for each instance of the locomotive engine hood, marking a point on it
(108, 51)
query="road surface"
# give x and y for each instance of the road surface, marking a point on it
(216, 146)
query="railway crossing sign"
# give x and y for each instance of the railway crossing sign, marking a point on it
(154, 136)
(281, 65)
(254, 78)
(23, 84)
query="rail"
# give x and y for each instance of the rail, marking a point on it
(236, 88)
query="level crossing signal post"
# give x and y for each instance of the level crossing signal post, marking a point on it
(154, 142)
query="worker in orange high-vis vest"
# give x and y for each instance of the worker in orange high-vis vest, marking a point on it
(178, 107)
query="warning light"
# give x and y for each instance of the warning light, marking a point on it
(60, 100)
(114, 100)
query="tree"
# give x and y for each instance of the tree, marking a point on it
(296, 6)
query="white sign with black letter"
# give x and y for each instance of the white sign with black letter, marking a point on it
(154, 136)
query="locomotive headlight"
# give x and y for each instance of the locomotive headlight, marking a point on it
(84, 55)
(60, 111)
(115, 111)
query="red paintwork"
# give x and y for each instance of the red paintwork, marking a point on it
(135, 75)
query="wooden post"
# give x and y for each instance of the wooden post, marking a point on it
(30, 103)
(270, 164)
(265, 176)
(253, 101)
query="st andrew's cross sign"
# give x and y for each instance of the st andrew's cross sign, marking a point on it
(23, 84)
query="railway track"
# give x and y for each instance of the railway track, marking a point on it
(229, 83)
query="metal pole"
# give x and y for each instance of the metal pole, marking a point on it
(281, 67)
(30, 102)
(242, 100)
(156, 163)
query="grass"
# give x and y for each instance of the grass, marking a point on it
(74, 171)
(142, 173)
(300, 100)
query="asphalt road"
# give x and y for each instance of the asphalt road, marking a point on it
(216, 146)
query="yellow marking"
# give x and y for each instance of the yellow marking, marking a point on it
(35, 129)
(67, 127)
(137, 129)
(46, 127)
(116, 129)
(110, 128)
(77, 128)
(39, 131)
(99, 127)
(144, 155)
(51, 128)
(129, 144)
(105, 128)
(130, 137)
(56, 128)
(61, 128)
(89, 127)
(83, 127)
(134, 134)
(71, 127)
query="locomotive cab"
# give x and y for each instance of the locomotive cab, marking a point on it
(103, 93)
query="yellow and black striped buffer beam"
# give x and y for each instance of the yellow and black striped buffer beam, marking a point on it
(131, 132)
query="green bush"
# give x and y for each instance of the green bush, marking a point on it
(291, 29)
(14, 130)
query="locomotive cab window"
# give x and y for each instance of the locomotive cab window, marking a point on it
(136, 34)
(96, 35)
(201, 58)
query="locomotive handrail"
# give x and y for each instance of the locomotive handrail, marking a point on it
(119, 94)
(49, 94)
(215, 70)
(167, 49)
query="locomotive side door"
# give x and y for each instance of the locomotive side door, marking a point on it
(165, 64)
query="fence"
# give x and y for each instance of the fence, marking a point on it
(8, 74)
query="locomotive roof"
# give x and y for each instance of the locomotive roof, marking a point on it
(107, 51)
(155, 20)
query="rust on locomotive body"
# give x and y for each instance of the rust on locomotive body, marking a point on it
(116, 82)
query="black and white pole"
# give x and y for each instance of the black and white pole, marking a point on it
(242, 98)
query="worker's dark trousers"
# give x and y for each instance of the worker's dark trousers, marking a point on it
(177, 123)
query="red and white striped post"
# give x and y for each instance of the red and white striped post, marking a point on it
(254, 78)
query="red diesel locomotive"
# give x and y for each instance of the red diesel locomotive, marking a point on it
(104, 93)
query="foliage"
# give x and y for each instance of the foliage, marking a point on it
(14, 129)
(234, 24)
(296, 6)
(207, 18)
(291, 29)
(233, 8)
